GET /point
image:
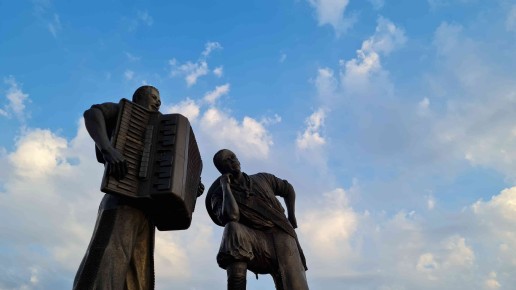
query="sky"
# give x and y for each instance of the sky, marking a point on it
(393, 120)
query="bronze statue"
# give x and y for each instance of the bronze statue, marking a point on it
(120, 253)
(257, 234)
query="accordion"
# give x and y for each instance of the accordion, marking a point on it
(164, 164)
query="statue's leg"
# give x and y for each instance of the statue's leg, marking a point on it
(291, 272)
(108, 261)
(276, 277)
(140, 274)
(237, 272)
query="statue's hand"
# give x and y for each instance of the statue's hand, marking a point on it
(292, 220)
(225, 179)
(117, 165)
(200, 189)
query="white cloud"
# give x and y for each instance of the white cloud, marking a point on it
(212, 96)
(458, 253)
(128, 74)
(192, 71)
(326, 231)
(500, 208)
(311, 138)
(423, 107)
(427, 264)
(357, 75)
(46, 197)
(477, 125)
(491, 283)
(332, 12)
(430, 202)
(188, 108)
(326, 83)
(218, 71)
(271, 120)
(209, 47)
(38, 154)
(16, 100)
(249, 137)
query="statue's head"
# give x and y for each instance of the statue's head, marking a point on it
(148, 97)
(226, 162)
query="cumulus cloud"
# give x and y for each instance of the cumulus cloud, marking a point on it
(16, 100)
(212, 96)
(249, 137)
(477, 125)
(50, 196)
(332, 12)
(491, 283)
(311, 138)
(326, 83)
(358, 72)
(188, 108)
(194, 70)
(326, 232)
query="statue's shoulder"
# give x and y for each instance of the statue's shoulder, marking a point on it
(110, 110)
(214, 192)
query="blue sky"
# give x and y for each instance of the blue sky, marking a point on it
(392, 119)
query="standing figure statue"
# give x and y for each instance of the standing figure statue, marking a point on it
(120, 253)
(257, 234)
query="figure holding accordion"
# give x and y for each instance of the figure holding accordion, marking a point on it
(152, 179)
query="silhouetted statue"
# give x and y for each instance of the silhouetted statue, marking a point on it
(120, 253)
(257, 234)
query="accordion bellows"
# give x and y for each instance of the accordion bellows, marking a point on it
(164, 164)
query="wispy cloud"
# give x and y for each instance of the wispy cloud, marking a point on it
(44, 11)
(283, 57)
(54, 26)
(128, 74)
(16, 100)
(194, 70)
(209, 47)
(145, 18)
(212, 96)
(142, 17)
(132, 57)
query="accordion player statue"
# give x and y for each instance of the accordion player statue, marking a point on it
(164, 164)
(152, 179)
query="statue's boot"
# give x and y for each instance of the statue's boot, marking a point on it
(237, 276)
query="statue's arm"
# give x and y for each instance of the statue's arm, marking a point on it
(95, 122)
(230, 210)
(290, 203)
